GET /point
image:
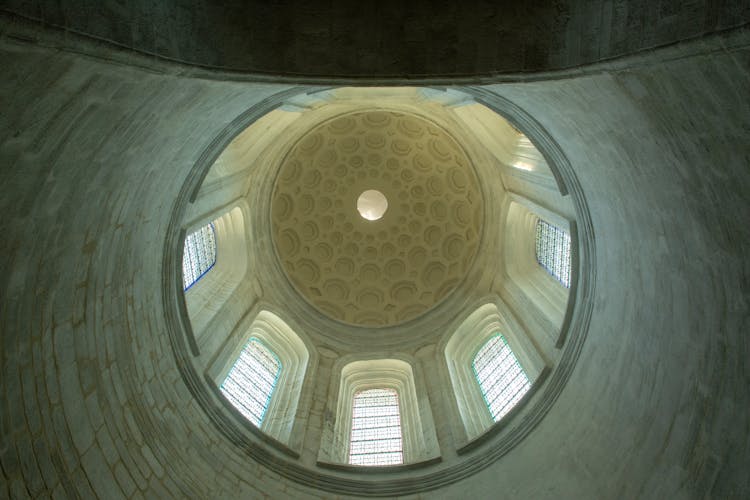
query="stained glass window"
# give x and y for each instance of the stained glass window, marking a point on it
(553, 251)
(376, 428)
(199, 254)
(501, 377)
(250, 383)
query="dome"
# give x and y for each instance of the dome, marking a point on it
(355, 229)
(393, 266)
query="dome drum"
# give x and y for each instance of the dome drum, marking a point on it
(394, 288)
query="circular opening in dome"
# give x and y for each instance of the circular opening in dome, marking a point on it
(372, 204)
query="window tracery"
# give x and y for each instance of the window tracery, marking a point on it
(501, 377)
(199, 254)
(251, 381)
(553, 251)
(394, 412)
(376, 437)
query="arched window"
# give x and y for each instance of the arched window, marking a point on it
(250, 382)
(553, 251)
(484, 366)
(199, 255)
(501, 377)
(376, 428)
(378, 416)
(287, 362)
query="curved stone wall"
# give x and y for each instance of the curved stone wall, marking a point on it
(386, 39)
(94, 154)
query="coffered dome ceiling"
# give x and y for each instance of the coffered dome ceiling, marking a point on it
(391, 269)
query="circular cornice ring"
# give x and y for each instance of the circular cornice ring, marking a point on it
(386, 483)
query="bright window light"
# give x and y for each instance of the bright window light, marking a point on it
(372, 204)
(523, 166)
(250, 383)
(553, 251)
(376, 429)
(199, 255)
(526, 154)
(501, 378)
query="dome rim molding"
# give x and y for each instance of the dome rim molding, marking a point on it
(423, 477)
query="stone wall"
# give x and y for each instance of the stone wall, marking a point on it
(387, 38)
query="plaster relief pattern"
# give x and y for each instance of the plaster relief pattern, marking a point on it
(390, 270)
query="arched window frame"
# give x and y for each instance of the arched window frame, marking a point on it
(287, 411)
(558, 266)
(207, 298)
(539, 299)
(484, 323)
(417, 426)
